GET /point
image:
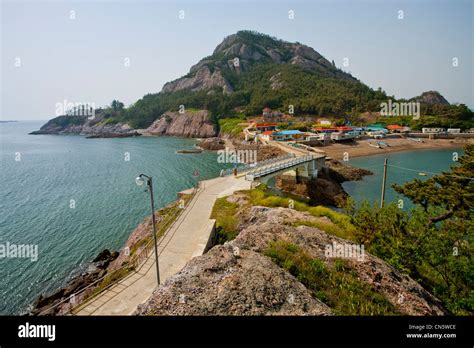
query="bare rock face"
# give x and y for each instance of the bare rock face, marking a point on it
(194, 124)
(326, 189)
(247, 49)
(238, 279)
(203, 79)
(212, 144)
(228, 281)
(431, 98)
(263, 225)
(59, 301)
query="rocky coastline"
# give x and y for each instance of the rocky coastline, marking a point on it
(327, 188)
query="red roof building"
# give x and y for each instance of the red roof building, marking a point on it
(263, 127)
(260, 125)
(333, 129)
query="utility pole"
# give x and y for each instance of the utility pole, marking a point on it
(140, 180)
(383, 182)
(150, 186)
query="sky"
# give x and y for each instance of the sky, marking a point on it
(58, 52)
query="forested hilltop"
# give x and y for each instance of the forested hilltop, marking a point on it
(249, 71)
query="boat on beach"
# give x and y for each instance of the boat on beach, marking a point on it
(379, 145)
(418, 140)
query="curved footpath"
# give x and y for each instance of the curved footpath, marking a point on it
(187, 238)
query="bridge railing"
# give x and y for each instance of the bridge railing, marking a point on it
(249, 166)
(268, 169)
(134, 265)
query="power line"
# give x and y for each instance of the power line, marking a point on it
(433, 173)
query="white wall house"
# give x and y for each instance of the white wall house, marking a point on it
(432, 130)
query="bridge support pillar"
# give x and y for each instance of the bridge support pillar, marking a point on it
(312, 169)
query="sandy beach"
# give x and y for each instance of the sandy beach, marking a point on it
(361, 147)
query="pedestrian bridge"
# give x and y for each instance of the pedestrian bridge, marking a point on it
(306, 166)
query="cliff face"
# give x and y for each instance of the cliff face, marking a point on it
(203, 79)
(192, 124)
(238, 278)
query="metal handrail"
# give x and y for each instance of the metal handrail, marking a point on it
(280, 165)
(134, 262)
(247, 166)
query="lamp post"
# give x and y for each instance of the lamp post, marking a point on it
(140, 180)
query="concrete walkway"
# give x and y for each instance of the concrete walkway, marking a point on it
(186, 239)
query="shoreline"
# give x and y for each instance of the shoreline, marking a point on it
(362, 149)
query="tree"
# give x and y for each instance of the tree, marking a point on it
(446, 195)
(116, 105)
(433, 241)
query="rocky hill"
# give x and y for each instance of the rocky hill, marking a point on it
(247, 72)
(237, 53)
(431, 98)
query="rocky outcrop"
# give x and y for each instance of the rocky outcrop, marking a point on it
(93, 128)
(212, 144)
(191, 124)
(238, 279)
(104, 264)
(263, 152)
(61, 300)
(227, 281)
(343, 172)
(431, 98)
(237, 53)
(262, 225)
(326, 189)
(202, 79)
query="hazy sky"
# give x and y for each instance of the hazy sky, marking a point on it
(83, 59)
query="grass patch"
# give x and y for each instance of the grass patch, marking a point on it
(324, 226)
(336, 285)
(226, 222)
(261, 196)
(231, 126)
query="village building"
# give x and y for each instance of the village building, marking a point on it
(323, 122)
(267, 136)
(264, 127)
(432, 130)
(274, 116)
(395, 128)
(287, 135)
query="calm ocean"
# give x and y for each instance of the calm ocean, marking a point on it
(40, 176)
(413, 163)
(36, 194)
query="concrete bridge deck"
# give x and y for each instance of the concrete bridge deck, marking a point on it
(307, 161)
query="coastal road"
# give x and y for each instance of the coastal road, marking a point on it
(186, 239)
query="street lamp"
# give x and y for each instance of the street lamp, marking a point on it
(140, 180)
